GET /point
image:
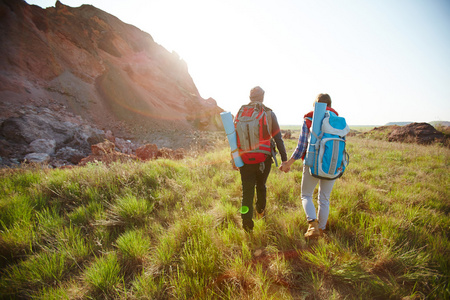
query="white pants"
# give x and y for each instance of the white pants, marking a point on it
(325, 187)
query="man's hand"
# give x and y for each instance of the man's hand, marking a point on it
(286, 165)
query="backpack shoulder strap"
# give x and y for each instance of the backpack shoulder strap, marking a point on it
(269, 119)
(241, 109)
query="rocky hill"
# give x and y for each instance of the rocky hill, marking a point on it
(419, 133)
(70, 75)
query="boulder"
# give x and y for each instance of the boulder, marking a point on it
(170, 153)
(179, 153)
(84, 136)
(103, 148)
(9, 149)
(30, 127)
(43, 146)
(40, 130)
(125, 146)
(70, 155)
(105, 152)
(146, 152)
(37, 158)
(287, 135)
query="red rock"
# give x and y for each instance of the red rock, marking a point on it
(103, 148)
(146, 152)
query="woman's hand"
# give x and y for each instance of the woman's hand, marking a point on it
(286, 165)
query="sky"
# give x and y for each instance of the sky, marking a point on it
(380, 61)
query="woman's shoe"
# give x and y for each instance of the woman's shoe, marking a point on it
(313, 231)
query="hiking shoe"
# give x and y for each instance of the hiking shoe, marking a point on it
(261, 214)
(247, 225)
(313, 231)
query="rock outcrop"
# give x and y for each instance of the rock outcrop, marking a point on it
(420, 133)
(287, 134)
(106, 152)
(84, 72)
(38, 131)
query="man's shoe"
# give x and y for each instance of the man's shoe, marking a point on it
(247, 225)
(261, 214)
(313, 231)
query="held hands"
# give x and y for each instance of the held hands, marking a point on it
(285, 166)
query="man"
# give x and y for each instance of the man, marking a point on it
(257, 163)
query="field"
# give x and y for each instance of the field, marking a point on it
(171, 230)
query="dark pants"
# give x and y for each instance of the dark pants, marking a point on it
(251, 176)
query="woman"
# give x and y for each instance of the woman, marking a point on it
(316, 224)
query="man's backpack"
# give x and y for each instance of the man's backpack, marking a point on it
(330, 156)
(253, 127)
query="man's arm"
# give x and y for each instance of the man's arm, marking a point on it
(276, 134)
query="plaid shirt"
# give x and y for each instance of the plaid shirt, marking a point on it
(302, 143)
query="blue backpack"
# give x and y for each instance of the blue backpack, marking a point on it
(330, 156)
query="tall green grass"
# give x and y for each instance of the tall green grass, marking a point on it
(171, 230)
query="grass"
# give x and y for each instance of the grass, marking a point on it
(171, 230)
